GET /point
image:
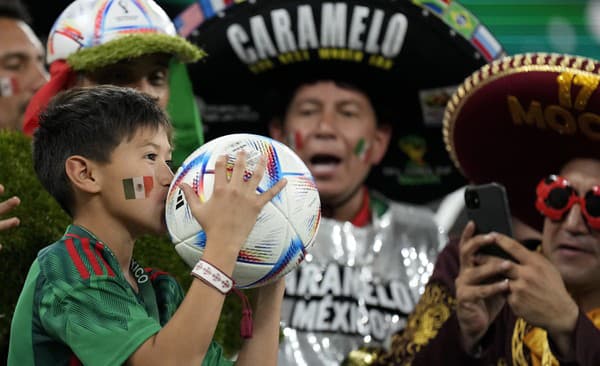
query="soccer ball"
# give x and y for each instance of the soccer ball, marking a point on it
(284, 229)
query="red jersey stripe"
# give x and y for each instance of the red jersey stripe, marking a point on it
(83, 272)
(99, 248)
(85, 244)
(155, 273)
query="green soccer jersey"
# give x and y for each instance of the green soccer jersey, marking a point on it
(76, 307)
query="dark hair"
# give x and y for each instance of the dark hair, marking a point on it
(91, 122)
(14, 9)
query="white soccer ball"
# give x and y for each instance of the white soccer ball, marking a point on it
(286, 226)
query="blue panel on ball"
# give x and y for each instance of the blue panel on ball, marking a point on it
(294, 249)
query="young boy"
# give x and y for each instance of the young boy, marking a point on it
(83, 301)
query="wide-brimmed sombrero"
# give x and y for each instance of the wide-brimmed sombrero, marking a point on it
(522, 118)
(410, 55)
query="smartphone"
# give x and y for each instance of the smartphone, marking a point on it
(487, 206)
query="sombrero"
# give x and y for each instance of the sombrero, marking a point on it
(90, 34)
(522, 118)
(410, 55)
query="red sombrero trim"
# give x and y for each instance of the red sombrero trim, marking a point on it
(522, 63)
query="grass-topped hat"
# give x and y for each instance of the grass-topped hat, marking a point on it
(408, 56)
(521, 119)
(91, 34)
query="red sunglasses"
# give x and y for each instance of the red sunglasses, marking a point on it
(556, 196)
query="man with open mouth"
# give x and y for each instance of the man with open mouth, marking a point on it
(357, 90)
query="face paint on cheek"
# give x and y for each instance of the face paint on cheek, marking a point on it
(137, 187)
(9, 86)
(294, 141)
(362, 150)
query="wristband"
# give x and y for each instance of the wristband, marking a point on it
(212, 276)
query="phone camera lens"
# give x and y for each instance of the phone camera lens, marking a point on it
(472, 199)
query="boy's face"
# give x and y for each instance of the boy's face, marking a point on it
(334, 130)
(135, 182)
(147, 73)
(570, 244)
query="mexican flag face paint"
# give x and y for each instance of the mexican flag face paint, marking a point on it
(8, 86)
(294, 140)
(137, 187)
(362, 150)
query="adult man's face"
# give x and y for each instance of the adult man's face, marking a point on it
(22, 63)
(334, 130)
(571, 244)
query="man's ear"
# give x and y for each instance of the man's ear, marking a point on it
(383, 134)
(276, 130)
(81, 172)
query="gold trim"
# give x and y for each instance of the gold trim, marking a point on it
(434, 308)
(541, 58)
(517, 60)
(518, 354)
(521, 63)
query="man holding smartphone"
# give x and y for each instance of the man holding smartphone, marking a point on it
(529, 122)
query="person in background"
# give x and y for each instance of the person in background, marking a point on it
(543, 306)
(324, 90)
(22, 72)
(126, 43)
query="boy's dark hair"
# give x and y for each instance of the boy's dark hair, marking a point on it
(91, 122)
(14, 9)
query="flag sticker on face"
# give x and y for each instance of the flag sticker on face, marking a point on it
(362, 150)
(8, 86)
(294, 140)
(137, 187)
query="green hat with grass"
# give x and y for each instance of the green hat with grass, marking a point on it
(91, 34)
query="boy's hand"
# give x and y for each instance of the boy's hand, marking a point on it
(230, 213)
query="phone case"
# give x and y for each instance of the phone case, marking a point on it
(487, 206)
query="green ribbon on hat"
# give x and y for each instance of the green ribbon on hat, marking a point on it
(183, 110)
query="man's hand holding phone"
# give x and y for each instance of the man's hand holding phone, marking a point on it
(479, 300)
(486, 283)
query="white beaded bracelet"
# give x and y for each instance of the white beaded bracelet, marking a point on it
(212, 276)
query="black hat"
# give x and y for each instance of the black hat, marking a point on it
(408, 56)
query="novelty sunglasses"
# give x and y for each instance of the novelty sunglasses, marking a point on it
(556, 196)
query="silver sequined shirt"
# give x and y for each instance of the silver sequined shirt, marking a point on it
(357, 286)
